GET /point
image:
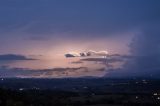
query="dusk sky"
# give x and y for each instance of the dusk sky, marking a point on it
(35, 35)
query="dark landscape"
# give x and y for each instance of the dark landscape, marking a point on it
(80, 92)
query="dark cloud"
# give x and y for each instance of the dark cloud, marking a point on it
(69, 55)
(147, 48)
(91, 17)
(6, 71)
(77, 62)
(101, 69)
(145, 51)
(108, 59)
(13, 57)
(72, 54)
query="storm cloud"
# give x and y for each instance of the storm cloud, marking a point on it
(50, 27)
(145, 49)
(72, 17)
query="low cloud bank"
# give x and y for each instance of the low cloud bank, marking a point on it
(13, 57)
(7, 72)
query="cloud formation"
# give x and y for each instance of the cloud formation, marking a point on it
(145, 53)
(97, 53)
(72, 54)
(147, 48)
(85, 54)
(13, 57)
(5, 71)
(55, 22)
(111, 60)
(72, 17)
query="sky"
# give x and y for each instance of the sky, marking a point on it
(35, 35)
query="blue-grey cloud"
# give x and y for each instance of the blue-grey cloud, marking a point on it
(6, 71)
(13, 57)
(103, 60)
(91, 17)
(112, 58)
(146, 50)
(147, 47)
(70, 55)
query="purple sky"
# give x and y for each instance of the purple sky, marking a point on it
(47, 29)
